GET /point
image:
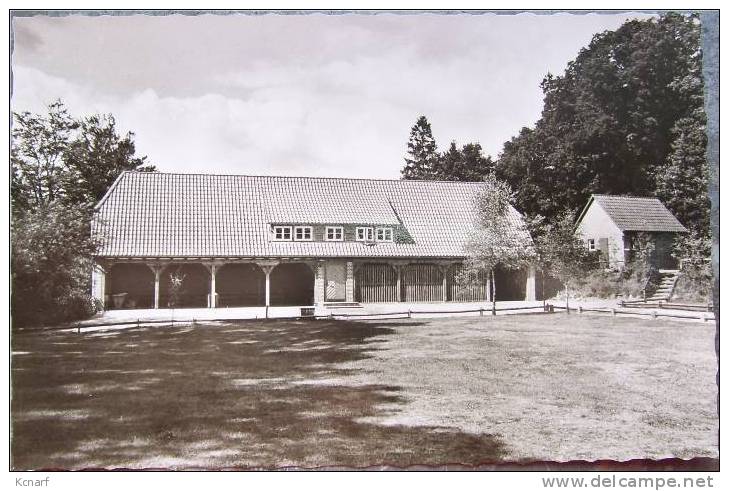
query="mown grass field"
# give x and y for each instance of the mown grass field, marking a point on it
(439, 391)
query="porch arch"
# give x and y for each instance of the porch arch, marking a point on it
(376, 282)
(292, 284)
(240, 285)
(195, 286)
(129, 286)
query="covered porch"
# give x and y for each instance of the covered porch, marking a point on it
(165, 283)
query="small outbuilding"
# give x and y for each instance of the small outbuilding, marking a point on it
(612, 225)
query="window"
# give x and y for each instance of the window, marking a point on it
(384, 234)
(591, 244)
(281, 233)
(334, 233)
(302, 233)
(365, 234)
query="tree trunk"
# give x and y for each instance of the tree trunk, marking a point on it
(493, 293)
(567, 300)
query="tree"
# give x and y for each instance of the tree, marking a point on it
(60, 167)
(39, 143)
(51, 252)
(421, 158)
(96, 157)
(612, 122)
(559, 251)
(682, 183)
(467, 164)
(499, 237)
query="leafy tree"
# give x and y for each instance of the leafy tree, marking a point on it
(96, 157)
(51, 252)
(467, 164)
(36, 156)
(559, 252)
(613, 122)
(60, 166)
(498, 239)
(421, 158)
(682, 183)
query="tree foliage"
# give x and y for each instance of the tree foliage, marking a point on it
(424, 162)
(498, 239)
(626, 117)
(467, 164)
(421, 157)
(60, 167)
(559, 252)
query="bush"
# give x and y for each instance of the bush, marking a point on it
(51, 264)
(695, 284)
(77, 305)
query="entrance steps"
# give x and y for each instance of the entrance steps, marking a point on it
(342, 305)
(666, 283)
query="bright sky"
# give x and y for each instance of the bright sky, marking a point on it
(315, 95)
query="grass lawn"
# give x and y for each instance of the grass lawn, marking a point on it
(437, 391)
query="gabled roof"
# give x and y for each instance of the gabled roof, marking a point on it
(152, 214)
(633, 214)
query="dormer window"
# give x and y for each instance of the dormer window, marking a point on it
(590, 244)
(384, 234)
(334, 234)
(302, 233)
(281, 233)
(365, 234)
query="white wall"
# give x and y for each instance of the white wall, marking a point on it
(596, 224)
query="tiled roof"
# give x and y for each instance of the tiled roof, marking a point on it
(198, 215)
(639, 214)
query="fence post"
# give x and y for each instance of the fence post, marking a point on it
(410, 314)
(579, 309)
(480, 312)
(137, 323)
(78, 329)
(613, 312)
(193, 322)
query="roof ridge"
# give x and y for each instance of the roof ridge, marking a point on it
(298, 177)
(624, 196)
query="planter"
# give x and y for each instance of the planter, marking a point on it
(118, 299)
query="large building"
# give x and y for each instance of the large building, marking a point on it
(612, 225)
(258, 240)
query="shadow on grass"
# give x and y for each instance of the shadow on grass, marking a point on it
(238, 394)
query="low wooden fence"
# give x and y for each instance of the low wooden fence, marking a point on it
(653, 314)
(695, 307)
(403, 314)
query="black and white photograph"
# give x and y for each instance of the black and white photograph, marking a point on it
(365, 240)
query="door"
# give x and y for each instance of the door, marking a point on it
(336, 277)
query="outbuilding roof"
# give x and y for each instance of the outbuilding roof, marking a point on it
(153, 214)
(637, 214)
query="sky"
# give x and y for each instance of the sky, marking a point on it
(308, 95)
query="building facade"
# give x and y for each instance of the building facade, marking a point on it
(192, 240)
(612, 225)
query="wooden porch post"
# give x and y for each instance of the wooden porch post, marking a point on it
(267, 267)
(157, 275)
(349, 283)
(157, 270)
(444, 271)
(213, 292)
(399, 267)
